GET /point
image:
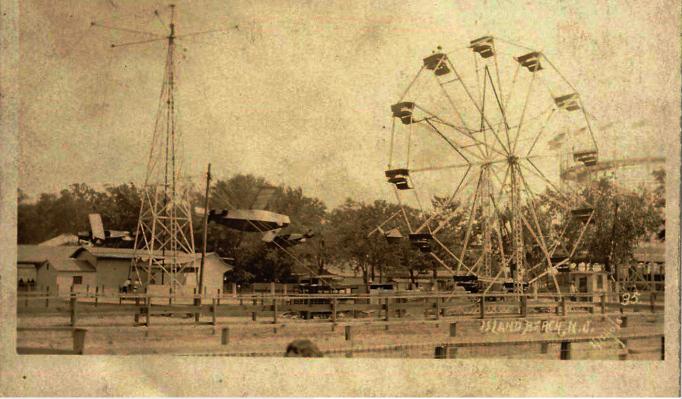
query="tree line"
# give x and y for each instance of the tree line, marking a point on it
(340, 235)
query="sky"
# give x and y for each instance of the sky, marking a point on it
(300, 92)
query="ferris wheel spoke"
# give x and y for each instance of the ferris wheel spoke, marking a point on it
(477, 264)
(447, 250)
(478, 108)
(513, 84)
(548, 258)
(549, 197)
(443, 223)
(444, 167)
(402, 208)
(542, 176)
(447, 203)
(542, 130)
(471, 218)
(499, 104)
(450, 143)
(534, 214)
(561, 75)
(583, 229)
(587, 121)
(497, 73)
(419, 203)
(439, 260)
(523, 112)
(407, 90)
(452, 102)
(460, 147)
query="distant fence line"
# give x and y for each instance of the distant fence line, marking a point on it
(433, 305)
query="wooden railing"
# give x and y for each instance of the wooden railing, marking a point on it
(432, 305)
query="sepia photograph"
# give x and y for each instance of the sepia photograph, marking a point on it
(474, 183)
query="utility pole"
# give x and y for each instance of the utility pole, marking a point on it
(205, 232)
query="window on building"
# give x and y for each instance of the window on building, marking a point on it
(77, 280)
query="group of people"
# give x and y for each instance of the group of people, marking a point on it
(130, 286)
(586, 267)
(27, 285)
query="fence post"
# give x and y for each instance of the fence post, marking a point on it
(170, 295)
(74, 311)
(225, 336)
(348, 333)
(544, 347)
(147, 308)
(274, 310)
(565, 351)
(79, 341)
(137, 309)
(213, 311)
(652, 300)
(564, 306)
(47, 296)
(388, 311)
(255, 301)
(334, 310)
(197, 303)
(218, 292)
(437, 308)
(273, 290)
(234, 290)
(96, 295)
(524, 305)
(663, 347)
(603, 303)
(453, 329)
(482, 304)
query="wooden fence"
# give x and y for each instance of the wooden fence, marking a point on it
(328, 307)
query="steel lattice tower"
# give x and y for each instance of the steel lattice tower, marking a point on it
(164, 241)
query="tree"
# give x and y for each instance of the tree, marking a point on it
(255, 260)
(351, 223)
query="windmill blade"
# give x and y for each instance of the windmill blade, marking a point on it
(96, 227)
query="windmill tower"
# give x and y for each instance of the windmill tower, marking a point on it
(164, 240)
(164, 250)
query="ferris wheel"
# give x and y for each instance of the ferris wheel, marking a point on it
(471, 155)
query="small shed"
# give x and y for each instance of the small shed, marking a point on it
(590, 282)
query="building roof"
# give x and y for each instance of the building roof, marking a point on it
(60, 257)
(127, 254)
(37, 254)
(64, 258)
(61, 240)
